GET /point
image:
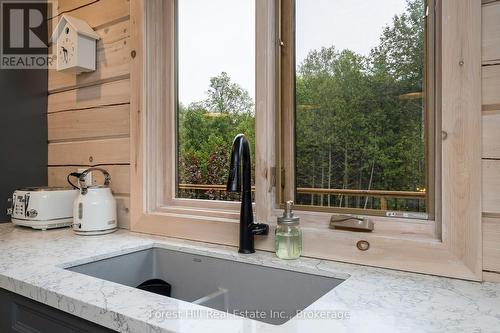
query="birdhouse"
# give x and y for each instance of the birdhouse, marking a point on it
(75, 45)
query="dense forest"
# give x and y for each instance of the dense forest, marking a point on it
(359, 122)
(206, 131)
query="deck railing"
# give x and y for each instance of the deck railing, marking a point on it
(382, 195)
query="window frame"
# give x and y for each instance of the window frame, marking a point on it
(171, 198)
(286, 180)
(450, 247)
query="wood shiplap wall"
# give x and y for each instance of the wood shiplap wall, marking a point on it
(89, 114)
(491, 138)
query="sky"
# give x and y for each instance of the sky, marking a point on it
(219, 35)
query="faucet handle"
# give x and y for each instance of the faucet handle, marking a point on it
(260, 229)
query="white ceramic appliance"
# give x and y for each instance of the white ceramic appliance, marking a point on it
(94, 210)
(43, 207)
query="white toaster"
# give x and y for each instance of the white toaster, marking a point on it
(43, 207)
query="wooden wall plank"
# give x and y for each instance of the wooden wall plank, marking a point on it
(491, 32)
(491, 243)
(120, 177)
(64, 6)
(123, 211)
(491, 276)
(110, 93)
(491, 186)
(116, 32)
(491, 86)
(491, 137)
(460, 102)
(112, 64)
(96, 14)
(94, 152)
(93, 105)
(112, 49)
(491, 134)
(89, 123)
(110, 34)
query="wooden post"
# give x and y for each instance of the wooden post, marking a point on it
(383, 203)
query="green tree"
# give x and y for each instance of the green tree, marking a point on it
(206, 130)
(359, 119)
(225, 96)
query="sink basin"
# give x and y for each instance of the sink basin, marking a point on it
(239, 288)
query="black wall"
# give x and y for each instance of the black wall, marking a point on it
(23, 126)
(23, 132)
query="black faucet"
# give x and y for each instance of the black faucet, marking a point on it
(240, 177)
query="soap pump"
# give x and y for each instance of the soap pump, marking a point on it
(288, 236)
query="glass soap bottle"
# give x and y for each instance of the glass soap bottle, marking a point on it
(288, 236)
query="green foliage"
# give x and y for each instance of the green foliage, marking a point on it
(359, 121)
(206, 131)
(226, 97)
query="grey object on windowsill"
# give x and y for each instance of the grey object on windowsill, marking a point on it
(351, 223)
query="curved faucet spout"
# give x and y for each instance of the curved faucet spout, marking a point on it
(240, 172)
(240, 180)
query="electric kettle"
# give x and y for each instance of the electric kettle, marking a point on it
(94, 210)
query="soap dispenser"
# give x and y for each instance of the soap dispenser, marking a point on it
(288, 237)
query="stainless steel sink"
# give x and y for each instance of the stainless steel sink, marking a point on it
(226, 285)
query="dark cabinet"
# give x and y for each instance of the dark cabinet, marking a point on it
(22, 315)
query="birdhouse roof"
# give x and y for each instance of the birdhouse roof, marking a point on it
(80, 27)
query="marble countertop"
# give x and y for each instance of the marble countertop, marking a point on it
(32, 264)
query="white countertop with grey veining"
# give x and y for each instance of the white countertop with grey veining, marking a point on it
(376, 300)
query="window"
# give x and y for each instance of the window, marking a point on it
(447, 243)
(362, 123)
(216, 92)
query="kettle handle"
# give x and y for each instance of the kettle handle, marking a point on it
(83, 184)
